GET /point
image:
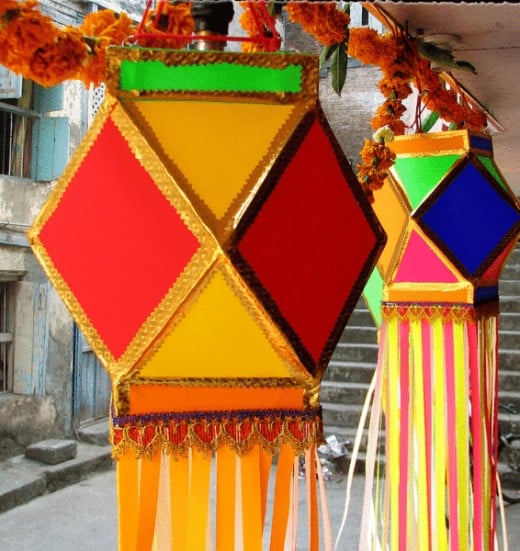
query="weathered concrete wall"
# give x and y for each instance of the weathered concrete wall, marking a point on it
(40, 404)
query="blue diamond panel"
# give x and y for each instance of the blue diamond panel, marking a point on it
(469, 219)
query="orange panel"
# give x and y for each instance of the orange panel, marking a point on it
(146, 398)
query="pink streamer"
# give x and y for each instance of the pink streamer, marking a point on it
(476, 409)
(404, 330)
(428, 409)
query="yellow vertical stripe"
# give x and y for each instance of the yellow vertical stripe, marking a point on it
(462, 432)
(439, 437)
(421, 486)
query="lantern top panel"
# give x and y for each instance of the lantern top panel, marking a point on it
(441, 143)
(134, 72)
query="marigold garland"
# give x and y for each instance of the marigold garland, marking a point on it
(323, 20)
(172, 19)
(249, 21)
(32, 45)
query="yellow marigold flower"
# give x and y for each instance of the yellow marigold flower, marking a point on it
(383, 134)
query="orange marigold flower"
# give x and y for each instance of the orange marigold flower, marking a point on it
(108, 24)
(22, 34)
(395, 88)
(173, 19)
(248, 21)
(366, 45)
(59, 60)
(102, 29)
(322, 20)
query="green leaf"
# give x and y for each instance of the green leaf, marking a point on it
(339, 69)
(430, 121)
(326, 52)
(453, 126)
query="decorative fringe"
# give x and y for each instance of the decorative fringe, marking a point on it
(438, 374)
(178, 433)
(202, 501)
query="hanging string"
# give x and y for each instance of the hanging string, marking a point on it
(268, 36)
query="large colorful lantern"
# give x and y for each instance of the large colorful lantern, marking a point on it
(451, 222)
(210, 240)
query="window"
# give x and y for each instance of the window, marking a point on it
(34, 142)
(16, 130)
(6, 339)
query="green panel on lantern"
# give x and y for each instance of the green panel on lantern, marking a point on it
(419, 175)
(373, 295)
(492, 169)
(210, 77)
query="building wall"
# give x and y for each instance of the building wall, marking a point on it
(38, 404)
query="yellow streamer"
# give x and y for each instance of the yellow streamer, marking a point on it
(462, 432)
(421, 479)
(439, 437)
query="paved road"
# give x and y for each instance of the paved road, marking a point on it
(82, 517)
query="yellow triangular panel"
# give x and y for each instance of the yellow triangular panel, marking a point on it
(216, 145)
(221, 333)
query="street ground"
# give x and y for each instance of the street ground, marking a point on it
(82, 517)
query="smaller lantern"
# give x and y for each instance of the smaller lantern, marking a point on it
(452, 222)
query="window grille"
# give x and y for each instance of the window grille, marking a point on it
(97, 96)
(6, 339)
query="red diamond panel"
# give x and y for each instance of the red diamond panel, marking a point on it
(308, 245)
(111, 238)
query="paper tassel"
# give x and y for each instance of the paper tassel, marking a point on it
(438, 373)
(219, 501)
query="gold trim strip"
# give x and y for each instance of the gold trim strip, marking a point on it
(309, 63)
(177, 439)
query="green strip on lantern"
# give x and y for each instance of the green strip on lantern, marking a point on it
(492, 169)
(419, 175)
(212, 77)
(373, 295)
